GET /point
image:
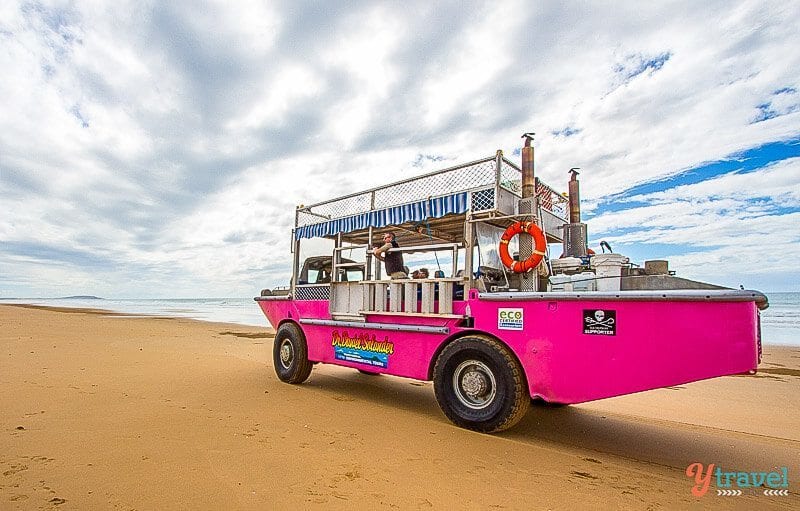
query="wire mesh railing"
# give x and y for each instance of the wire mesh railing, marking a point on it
(552, 201)
(472, 176)
(458, 179)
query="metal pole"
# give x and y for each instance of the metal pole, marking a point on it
(528, 281)
(337, 257)
(368, 261)
(296, 246)
(498, 168)
(469, 235)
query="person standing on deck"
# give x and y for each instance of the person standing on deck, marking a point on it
(392, 260)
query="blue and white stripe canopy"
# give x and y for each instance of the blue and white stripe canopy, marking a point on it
(395, 215)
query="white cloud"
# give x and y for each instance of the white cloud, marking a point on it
(779, 182)
(465, 72)
(726, 228)
(166, 146)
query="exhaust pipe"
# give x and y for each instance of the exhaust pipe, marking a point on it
(575, 239)
(528, 179)
(574, 197)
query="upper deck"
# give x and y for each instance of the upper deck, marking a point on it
(439, 202)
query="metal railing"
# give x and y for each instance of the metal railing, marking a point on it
(552, 201)
(472, 176)
(337, 265)
(404, 297)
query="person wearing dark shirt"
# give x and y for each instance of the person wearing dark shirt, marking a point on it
(392, 260)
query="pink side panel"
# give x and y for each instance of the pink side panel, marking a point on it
(656, 344)
(412, 351)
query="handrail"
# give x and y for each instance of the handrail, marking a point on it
(408, 180)
(336, 264)
(426, 248)
(419, 281)
(350, 247)
(654, 295)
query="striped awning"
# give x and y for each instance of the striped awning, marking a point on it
(395, 215)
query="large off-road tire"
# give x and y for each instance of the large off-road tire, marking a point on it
(480, 385)
(290, 354)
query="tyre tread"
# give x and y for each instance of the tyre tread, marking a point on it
(304, 366)
(522, 399)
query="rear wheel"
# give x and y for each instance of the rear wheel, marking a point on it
(480, 385)
(290, 354)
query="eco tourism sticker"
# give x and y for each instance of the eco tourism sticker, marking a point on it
(509, 319)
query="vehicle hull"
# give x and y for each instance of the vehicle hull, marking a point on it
(570, 353)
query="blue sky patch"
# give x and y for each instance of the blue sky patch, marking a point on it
(781, 103)
(634, 65)
(744, 162)
(568, 131)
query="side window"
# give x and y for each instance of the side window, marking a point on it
(355, 275)
(324, 276)
(313, 252)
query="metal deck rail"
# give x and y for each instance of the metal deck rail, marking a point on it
(406, 297)
(487, 176)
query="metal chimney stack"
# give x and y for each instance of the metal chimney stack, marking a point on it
(528, 179)
(574, 197)
(575, 235)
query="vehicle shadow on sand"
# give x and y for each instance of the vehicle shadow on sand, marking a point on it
(401, 393)
(669, 443)
(585, 432)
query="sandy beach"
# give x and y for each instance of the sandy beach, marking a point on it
(108, 411)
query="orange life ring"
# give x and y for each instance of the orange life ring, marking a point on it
(538, 251)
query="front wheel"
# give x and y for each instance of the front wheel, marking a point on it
(480, 385)
(290, 354)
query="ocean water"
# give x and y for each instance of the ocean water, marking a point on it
(780, 323)
(244, 311)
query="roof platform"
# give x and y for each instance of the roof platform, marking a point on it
(434, 206)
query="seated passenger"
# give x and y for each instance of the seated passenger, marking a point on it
(422, 273)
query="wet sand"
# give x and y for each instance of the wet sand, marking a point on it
(108, 411)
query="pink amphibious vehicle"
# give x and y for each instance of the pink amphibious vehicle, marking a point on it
(494, 329)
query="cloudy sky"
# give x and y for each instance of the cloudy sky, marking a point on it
(158, 149)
